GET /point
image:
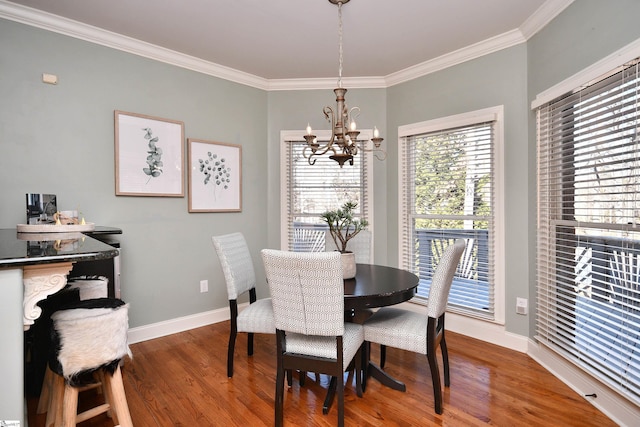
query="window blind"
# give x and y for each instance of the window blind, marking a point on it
(315, 189)
(588, 259)
(448, 193)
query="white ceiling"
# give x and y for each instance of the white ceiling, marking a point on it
(298, 39)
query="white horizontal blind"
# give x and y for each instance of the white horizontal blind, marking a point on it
(448, 193)
(315, 189)
(589, 229)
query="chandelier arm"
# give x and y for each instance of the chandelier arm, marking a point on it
(381, 158)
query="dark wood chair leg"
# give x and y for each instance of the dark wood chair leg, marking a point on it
(252, 299)
(340, 387)
(383, 355)
(280, 374)
(250, 344)
(358, 370)
(233, 307)
(435, 378)
(279, 403)
(445, 361)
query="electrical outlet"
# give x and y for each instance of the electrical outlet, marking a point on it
(204, 286)
(522, 306)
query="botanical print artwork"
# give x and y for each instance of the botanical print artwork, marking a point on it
(216, 171)
(215, 176)
(149, 155)
(154, 158)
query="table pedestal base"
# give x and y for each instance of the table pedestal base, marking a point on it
(376, 372)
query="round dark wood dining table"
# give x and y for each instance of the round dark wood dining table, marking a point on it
(378, 286)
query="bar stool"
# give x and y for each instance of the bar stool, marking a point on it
(88, 337)
(78, 288)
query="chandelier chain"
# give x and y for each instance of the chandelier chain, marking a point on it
(340, 44)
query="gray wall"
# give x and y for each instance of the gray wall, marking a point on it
(60, 140)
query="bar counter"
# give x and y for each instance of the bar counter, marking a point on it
(32, 267)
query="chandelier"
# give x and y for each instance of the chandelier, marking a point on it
(344, 142)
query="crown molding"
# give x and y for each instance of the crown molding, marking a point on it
(328, 83)
(75, 29)
(459, 56)
(541, 17)
(68, 27)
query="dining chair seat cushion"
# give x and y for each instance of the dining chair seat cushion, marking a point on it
(322, 346)
(257, 318)
(395, 327)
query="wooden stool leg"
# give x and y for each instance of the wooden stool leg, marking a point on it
(69, 406)
(117, 399)
(54, 411)
(45, 394)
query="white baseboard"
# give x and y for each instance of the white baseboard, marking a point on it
(180, 324)
(609, 402)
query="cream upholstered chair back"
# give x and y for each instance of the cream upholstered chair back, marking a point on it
(236, 263)
(443, 278)
(240, 278)
(360, 245)
(307, 291)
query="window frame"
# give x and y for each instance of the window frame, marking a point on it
(495, 114)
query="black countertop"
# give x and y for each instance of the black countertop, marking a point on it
(20, 249)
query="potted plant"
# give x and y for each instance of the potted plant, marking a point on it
(344, 227)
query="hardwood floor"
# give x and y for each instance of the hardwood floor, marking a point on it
(180, 380)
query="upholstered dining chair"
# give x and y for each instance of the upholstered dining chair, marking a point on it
(240, 278)
(411, 331)
(307, 292)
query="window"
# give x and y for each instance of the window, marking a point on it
(310, 190)
(450, 177)
(589, 228)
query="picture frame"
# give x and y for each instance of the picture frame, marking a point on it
(215, 176)
(149, 155)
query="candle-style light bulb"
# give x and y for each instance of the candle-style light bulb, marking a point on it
(376, 133)
(353, 125)
(308, 129)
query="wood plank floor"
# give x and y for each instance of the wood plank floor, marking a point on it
(180, 380)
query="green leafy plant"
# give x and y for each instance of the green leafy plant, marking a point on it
(343, 226)
(154, 156)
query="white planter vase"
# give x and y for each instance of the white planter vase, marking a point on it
(348, 265)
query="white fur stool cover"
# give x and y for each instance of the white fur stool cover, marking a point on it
(89, 335)
(90, 287)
